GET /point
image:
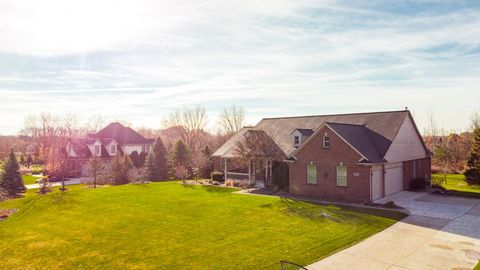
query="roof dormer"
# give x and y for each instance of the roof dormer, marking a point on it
(97, 148)
(300, 135)
(113, 147)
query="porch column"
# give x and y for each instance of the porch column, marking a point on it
(270, 169)
(266, 173)
(249, 171)
(226, 169)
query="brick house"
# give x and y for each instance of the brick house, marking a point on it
(352, 157)
(112, 140)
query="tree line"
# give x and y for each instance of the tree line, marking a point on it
(182, 149)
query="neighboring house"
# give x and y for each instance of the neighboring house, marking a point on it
(351, 157)
(112, 140)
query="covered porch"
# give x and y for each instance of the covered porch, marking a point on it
(251, 173)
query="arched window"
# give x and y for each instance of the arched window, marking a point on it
(311, 173)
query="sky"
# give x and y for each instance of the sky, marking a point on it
(138, 60)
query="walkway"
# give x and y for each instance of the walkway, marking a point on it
(71, 181)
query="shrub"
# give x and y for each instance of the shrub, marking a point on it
(181, 172)
(280, 175)
(417, 183)
(45, 186)
(472, 176)
(3, 195)
(217, 176)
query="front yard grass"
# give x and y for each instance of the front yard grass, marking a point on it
(457, 185)
(171, 226)
(29, 179)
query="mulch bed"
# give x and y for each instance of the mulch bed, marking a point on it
(5, 213)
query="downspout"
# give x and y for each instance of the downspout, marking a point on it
(383, 180)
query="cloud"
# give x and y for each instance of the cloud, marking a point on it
(140, 59)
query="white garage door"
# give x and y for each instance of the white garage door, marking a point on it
(393, 178)
(376, 182)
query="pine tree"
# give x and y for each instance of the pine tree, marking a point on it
(161, 160)
(120, 167)
(135, 157)
(151, 170)
(142, 158)
(205, 164)
(180, 154)
(472, 173)
(11, 180)
(180, 160)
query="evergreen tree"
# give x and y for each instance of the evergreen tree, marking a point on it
(127, 163)
(120, 168)
(161, 160)
(180, 154)
(22, 160)
(180, 160)
(205, 166)
(472, 173)
(135, 157)
(142, 158)
(11, 180)
(151, 170)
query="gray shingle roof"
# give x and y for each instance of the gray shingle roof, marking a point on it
(359, 137)
(122, 134)
(375, 134)
(228, 148)
(305, 132)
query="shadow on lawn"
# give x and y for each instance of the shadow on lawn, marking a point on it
(308, 210)
(338, 214)
(214, 189)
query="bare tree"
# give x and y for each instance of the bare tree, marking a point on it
(475, 120)
(431, 133)
(231, 120)
(259, 147)
(192, 121)
(96, 168)
(95, 123)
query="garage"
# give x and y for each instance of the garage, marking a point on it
(393, 178)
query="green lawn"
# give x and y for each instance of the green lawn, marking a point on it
(28, 179)
(456, 182)
(171, 226)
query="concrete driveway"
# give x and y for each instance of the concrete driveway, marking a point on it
(71, 181)
(442, 232)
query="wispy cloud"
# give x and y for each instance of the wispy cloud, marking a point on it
(138, 60)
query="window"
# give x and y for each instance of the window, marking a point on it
(97, 150)
(297, 140)
(113, 149)
(326, 141)
(342, 175)
(312, 173)
(145, 148)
